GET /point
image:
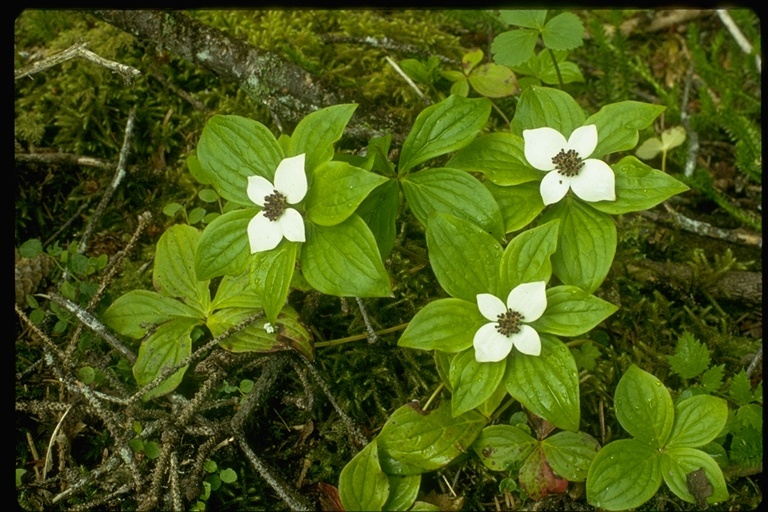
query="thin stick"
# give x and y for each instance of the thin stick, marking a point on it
(755, 360)
(358, 337)
(372, 338)
(408, 80)
(63, 159)
(705, 229)
(693, 136)
(745, 45)
(48, 455)
(77, 50)
(122, 164)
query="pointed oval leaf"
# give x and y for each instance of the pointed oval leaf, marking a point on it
(174, 271)
(134, 312)
(169, 345)
(230, 149)
(236, 292)
(499, 156)
(464, 258)
(455, 192)
(639, 187)
(698, 421)
(519, 205)
(537, 478)
(473, 383)
(526, 257)
(435, 326)
(544, 106)
(571, 312)
(317, 132)
(223, 247)
(343, 260)
(644, 407)
(442, 128)
(679, 462)
(403, 490)
(271, 273)
(586, 244)
(547, 384)
(618, 125)
(570, 454)
(337, 190)
(362, 483)
(379, 210)
(415, 441)
(623, 475)
(502, 447)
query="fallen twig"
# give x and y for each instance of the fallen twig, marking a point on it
(407, 80)
(700, 228)
(745, 45)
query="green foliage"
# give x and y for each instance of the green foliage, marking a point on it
(691, 357)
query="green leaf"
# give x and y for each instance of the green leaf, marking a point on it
(174, 271)
(317, 132)
(712, 379)
(473, 382)
(464, 258)
(698, 421)
(740, 389)
(453, 192)
(460, 88)
(31, 248)
(537, 479)
(547, 384)
(434, 327)
(236, 292)
(569, 71)
(224, 247)
(196, 215)
(171, 209)
(691, 357)
(638, 187)
(344, 260)
(493, 80)
(678, 462)
(514, 47)
(443, 127)
(208, 195)
(337, 190)
(471, 59)
(624, 474)
(649, 149)
(503, 447)
(20, 472)
(586, 244)
(570, 454)
(403, 491)
(571, 312)
(362, 483)
(644, 407)
(526, 257)
(563, 32)
(230, 149)
(228, 475)
(414, 441)
(169, 345)
(528, 18)
(134, 312)
(379, 210)
(196, 170)
(492, 403)
(499, 156)
(519, 204)
(271, 273)
(618, 125)
(543, 106)
(254, 338)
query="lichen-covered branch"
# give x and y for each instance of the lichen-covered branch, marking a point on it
(287, 90)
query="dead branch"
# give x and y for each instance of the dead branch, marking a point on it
(63, 159)
(287, 90)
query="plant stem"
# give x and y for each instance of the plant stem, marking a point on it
(557, 68)
(357, 337)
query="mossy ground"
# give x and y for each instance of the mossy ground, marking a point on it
(80, 108)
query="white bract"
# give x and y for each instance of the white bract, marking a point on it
(567, 165)
(276, 220)
(494, 341)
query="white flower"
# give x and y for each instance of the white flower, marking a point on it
(276, 220)
(269, 328)
(494, 341)
(567, 164)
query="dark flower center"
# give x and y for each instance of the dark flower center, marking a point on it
(274, 205)
(568, 163)
(509, 322)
